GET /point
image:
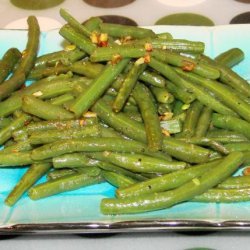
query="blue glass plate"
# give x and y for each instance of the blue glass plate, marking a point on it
(78, 211)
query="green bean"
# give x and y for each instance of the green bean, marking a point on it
(172, 126)
(17, 147)
(150, 117)
(152, 78)
(204, 141)
(139, 163)
(16, 159)
(39, 73)
(60, 100)
(117, 51)
(60, 125)
(238, 146)
(97, 88)
(44, 110)
(167, 181)
(58, 173)
(165, 35)
(78, 39)
(73, 160)
(226, 135)
(199, 92)
(224, 195)
(203, 122)
(118, 30)
(135, 130)
(127, 86)
(44, 137)
(5, 122)
(14, 102)
(191, 120)
(227, 97)
(186, 63)
(6, 132)
(230, 78)
(8, 62)
(89, 144)
(93, 23)
(86, 68)
(33, 174)
(65, 57)
(246, 157)
(230, 57)
(231, 123)
(117, 180)
(74, 23)
(27, 61)
(115, 169)
(238, 182)
(63, 184)
(179, 93)
(162, 95)
(177, 45)
(185, 192)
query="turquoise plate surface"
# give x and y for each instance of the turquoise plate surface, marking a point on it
(78, 211)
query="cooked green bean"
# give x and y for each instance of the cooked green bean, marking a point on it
(93, 23)
(139, 163)
(227, 97)
(149, 114)
(62, 99)
(191, 120)
(8, 62)
(90, 144)
(162, 95)
(152, 78)
(183, 193)
(231, 123)
(97, 88)
(230, 57)
(237, 146)
(179, 93)
(17, 147)
(199, 92)
(117, 180)
(6, 132)
(73, 160)
(74, 23)
(27, 61)
(14, 102)
(44, 110)
(186, 63)
(177, 45)
(58, 173)
(118, 30)
(224, 195)
(101, 54)
(31, 176)
(63, 184)
(172, 126)
(44, 137)
(15, 159)
(135, 130)
(64, 57)
(204, 122)
(166, 182)
(127, 86)
(78, 39)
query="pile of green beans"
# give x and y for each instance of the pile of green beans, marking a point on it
(148, 113)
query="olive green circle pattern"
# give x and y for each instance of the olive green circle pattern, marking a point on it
(36, 4)
(185, 19)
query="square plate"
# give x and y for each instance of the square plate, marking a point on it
(78, 211)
